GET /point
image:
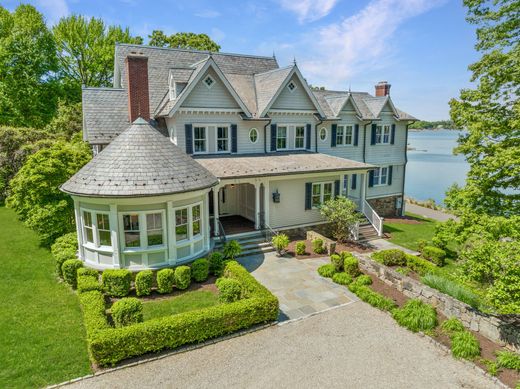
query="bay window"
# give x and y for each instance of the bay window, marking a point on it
(154, 229)
(195, 220)
(181, 224)
(188, 223)
(103, 228)
(96, 228)
(131, 230)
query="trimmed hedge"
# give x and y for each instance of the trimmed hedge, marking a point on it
(85, 271)
(127, 311)
(165, 280)
(363, 280)
(69, 270)
(63, 248)
(318, 246)
(108, 346)
(351, 265)
(337, 261)
(143, 283)
(327, 270)
(87, 283)
(230, 290)
(342, 278)
(434, 254)
(116, 282)
(182, 277)
(200, 270)
(391, 257)
(216, 263)
(300, 248)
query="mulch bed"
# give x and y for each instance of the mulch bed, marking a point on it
(291, 249)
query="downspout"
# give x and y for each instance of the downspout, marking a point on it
(365, 140)
(265, 134)
(320, 121)
(405, 163)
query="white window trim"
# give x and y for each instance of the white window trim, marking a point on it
(294, 84)
(344, 136)
(304, 136)
(228, 139)
(143, 230)
(286, 126)
(383, 128)
(95, 231)
(191, 239)
(211, 78)
(322, 191)
(205, 126)
(208, 126)
(326, 134)
(380, 169)
(257, 135)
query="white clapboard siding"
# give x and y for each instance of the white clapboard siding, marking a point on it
(386, 190)
(218, 96)
(298, 99)
(387, 153)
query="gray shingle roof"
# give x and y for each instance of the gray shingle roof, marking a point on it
(139, 162)
(277, 164)
(267, 84)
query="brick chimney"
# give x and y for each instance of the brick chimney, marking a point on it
(137, 81)
(382, 89)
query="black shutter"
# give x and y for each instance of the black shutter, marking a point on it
(336, 188)
(334, 131)
(356, 134)
(234, 141)
(308, 195)
(373, 137)
(353, 182)
(370, 178)
(188, 128)
(308, 130)
(273, 137)
(392, 135)
(390, 171)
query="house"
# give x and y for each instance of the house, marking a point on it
(191, 146)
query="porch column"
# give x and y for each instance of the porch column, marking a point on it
(216, 231)
(342, 189)
(267, 196)
(114, 234)
(206, 223)
(257, 205)
(363, 191)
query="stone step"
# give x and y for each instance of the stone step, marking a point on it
(257, 250)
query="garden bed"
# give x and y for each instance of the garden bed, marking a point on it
(347, 246)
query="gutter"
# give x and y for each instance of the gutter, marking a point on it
(405, 163)
(265, 133)
(319, 118)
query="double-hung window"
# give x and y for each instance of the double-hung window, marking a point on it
(103, 229)
(383, 134)
(340, 134)
(344, 135)
(321, 192)
(195, 220)
(380, 176)
(222, 139)
(281, 138)
(88, 227)
(199, 139)
(299, 137)
(188, 223)
(181, 224)
(96, 228)
(154, 229)
(131, 230)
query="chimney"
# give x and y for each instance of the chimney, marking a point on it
(382, 89)
(137, 81)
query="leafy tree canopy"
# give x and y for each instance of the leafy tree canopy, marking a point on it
(341, 214)
(491, 113)
(183, 40)
(28, 63)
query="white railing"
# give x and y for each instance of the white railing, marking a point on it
(372, 216)
(354, 231)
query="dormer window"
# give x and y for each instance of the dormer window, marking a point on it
(291, 86)
(209, 81)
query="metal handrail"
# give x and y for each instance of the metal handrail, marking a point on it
(221, 232)
(269, 232)
(373, 217)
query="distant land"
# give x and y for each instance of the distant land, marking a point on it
(440, 124)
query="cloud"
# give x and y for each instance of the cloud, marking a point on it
(309, 10)
(208, 13)
(360, 42)
(53, 9)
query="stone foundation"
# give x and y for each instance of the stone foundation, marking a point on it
(497, 329)
(386, 206)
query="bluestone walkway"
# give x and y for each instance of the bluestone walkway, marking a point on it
(297, 284)
(429, 213)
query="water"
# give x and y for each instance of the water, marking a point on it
(432, 168)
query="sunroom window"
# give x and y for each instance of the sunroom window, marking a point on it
(195, 220)
(181, 224)
(88, 226)
(131, 230)
(188, 223)
(96, 228)
(103, 227)
(154, 229)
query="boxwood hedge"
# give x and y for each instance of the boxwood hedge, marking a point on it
(109, 345)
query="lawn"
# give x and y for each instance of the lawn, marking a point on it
(407, 235)
(42, 335)
(185, 302)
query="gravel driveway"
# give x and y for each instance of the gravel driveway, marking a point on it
(354, 346)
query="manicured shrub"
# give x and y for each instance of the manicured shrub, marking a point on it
(94, 316)
(231, 249)
(63, 248)
(116, 282)
(337, 261)
(363, 279)
(451, 326)
(230, 290)
(327, 270)
(373, 298)
(317, 246)
(403, 270)
(143, 283)
(300, 248)
(420, 266)
(351, 265)
(435, 255)
(182, 277)
(127, 311)
(88, 283)
(342, 278)
(85, 271)
(451, 288)
(69, 270)
(508, 359)
(216, 263)
(391, 257)
(200, 270)
(165, 280)
(465, 345)
(421, 244)
(416, 316)
(280, 242)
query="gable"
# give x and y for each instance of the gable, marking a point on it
(348, 107)
(298, 99)
(218, 96)
(387, 108)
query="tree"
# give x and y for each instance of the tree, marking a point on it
(491, 113)
(341, 214)
(86, 51)
(35, 193)
(183, 40)
(67, 122)
(28, 62)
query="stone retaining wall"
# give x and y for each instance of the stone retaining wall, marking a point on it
(491, 327)
(330, 245)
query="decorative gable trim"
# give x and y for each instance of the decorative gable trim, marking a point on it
(356, 108)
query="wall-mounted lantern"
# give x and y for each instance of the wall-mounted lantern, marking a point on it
(276, 196)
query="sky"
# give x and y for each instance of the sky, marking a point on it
(421, 47)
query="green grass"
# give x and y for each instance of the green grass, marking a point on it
(188, 301)
(407, 235)
(465, 345)
(43, 338)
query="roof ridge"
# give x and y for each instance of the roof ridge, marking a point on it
(101, 88)
(197, 51)
(273, 70)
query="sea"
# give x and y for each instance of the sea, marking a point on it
(432, 168)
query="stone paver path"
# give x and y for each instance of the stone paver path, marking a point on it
(298, 286)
